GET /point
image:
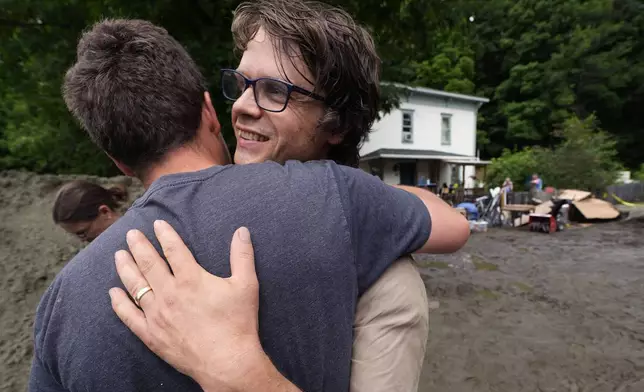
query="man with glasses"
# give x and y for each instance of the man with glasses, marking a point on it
(318, 100)
(322, 233)
(270, 94)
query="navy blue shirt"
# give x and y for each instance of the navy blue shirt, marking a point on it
(322, 235)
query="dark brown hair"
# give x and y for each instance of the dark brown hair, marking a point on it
(135, 90)
(79, 201)
(339, 53)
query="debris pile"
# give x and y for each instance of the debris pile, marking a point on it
(585, 207)
(547, 211)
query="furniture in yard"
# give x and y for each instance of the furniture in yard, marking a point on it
(518, 198)
(460, 195)
(517, 210)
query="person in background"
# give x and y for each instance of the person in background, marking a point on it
(505, 189)
(85, 209)
(507, 185)
(536, 183)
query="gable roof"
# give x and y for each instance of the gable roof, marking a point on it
(438, 93)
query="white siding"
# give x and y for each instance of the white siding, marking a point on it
(390, 176)
(387, 133)
(427, 123)
(383, 132)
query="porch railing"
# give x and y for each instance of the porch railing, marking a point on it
(461, 195)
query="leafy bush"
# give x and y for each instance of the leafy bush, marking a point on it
(517, 165)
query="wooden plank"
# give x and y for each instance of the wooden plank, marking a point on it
(519, 207)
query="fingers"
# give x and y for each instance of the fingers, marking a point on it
(149, 262)
(242, 257)
(175, 250)
(132, 278)
(129, 314)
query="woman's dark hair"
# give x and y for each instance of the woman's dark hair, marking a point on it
(79, 201)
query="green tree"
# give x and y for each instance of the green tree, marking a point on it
(586, 159)
(450, 69)
(39, 40)
(544, 61)
(540, 62)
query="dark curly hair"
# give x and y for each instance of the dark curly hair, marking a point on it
(339, 53)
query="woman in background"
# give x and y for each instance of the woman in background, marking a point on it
(506, 188)
(86, 209)
(507, 185)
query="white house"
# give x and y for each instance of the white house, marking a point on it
(431, 138)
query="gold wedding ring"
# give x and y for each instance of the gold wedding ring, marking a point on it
(140, 294)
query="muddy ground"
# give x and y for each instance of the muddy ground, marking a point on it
(514, 311)
(520, 311)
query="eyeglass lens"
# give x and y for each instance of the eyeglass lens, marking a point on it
(269, 94)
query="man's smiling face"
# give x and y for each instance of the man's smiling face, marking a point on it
(290, 134)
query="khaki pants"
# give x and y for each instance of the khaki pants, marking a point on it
(390, 332)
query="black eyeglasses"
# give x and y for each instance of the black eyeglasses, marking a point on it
(270, 94)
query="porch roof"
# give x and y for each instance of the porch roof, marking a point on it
(396, 153)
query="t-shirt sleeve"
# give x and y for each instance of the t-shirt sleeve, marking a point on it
(41, 380)
(385, 222)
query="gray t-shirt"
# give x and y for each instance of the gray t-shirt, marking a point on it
(322, 234)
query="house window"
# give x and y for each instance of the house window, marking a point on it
(407, 126)
(446, 129)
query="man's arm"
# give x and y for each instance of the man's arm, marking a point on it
(392, 319)
(390, 332)
(450, 229)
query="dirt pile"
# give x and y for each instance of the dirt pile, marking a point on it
(32, 251)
